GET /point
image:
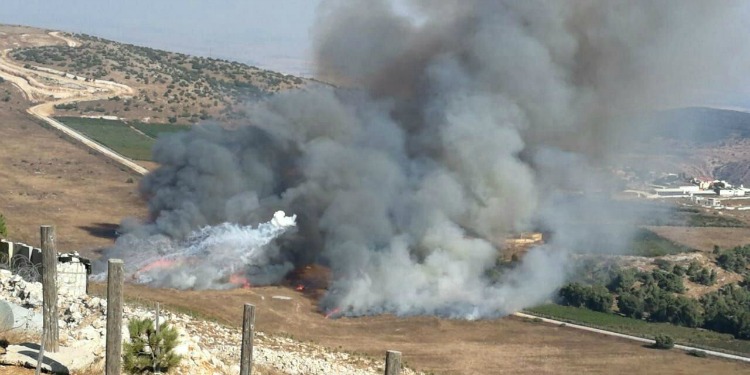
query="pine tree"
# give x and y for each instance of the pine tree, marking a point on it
(148, 350)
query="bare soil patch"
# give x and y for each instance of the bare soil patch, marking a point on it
(23, 36)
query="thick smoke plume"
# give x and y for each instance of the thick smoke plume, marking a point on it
(455, 124)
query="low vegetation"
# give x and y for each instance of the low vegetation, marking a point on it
(133, 140)
(155, 130)
(649, 244)
(633, 299)
(663, 342)
(113, 134)
(656, 215)
(641, 328)
(150, 350)
(735, 260)
(3, 227)
(169, 86)
(655, 296)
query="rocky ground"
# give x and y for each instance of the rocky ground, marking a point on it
(206, 347)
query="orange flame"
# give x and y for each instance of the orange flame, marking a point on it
(240, 280)
(333, 312)
(159, 263)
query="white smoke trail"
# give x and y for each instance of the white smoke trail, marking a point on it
(213, 257)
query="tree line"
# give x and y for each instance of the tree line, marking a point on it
(656, 295)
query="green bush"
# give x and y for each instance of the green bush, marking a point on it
(705, 277)
(735, 260)
(663, 342)
(631, 305)
(622, 281)
(678, 270)
(3, 228)
(149, 351)
(728, 310)
(697, 353)
(668, 281)
(595, 297)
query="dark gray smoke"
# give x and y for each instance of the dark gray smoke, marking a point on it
(457, 123)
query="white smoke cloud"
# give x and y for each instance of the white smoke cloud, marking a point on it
(215, 257)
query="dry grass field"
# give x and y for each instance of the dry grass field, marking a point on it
(48, 180)
(704, 238)
(22, 36)
(496, 346)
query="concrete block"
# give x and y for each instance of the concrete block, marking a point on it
(6, 317)
(6, 251)
(36, 256)
(21, 255)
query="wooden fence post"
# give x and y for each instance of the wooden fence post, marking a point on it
(248, 331)
(114, 317)
(157, 369)
(49, 288)
(392, 362)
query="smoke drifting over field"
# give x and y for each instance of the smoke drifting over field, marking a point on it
(459, 122)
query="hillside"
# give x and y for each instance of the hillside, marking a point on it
(701, 142)
(168, 87)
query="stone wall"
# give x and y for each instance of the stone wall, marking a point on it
(72, 269)
(72, 274)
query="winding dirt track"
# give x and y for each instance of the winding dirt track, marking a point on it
(51, 87)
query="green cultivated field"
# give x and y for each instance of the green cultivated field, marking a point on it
(682, 335)
(119, 136)
(649, 244)
(154, 130)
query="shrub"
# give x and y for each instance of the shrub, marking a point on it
(705, 277)
(735, 260)
(678, 270)
(668, 281)
(694, 268)
(3, 228)
(622, 281)
(663, 342)
(663, 264)
(631, 305)
(697, 353)
(595, 297)
(728, 310)
(149, 351)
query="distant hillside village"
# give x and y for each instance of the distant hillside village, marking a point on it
(717, 194)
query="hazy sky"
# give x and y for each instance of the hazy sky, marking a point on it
(269, 33)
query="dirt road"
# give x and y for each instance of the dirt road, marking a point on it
(51, 87)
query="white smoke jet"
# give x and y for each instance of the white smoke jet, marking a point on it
(214, 257)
